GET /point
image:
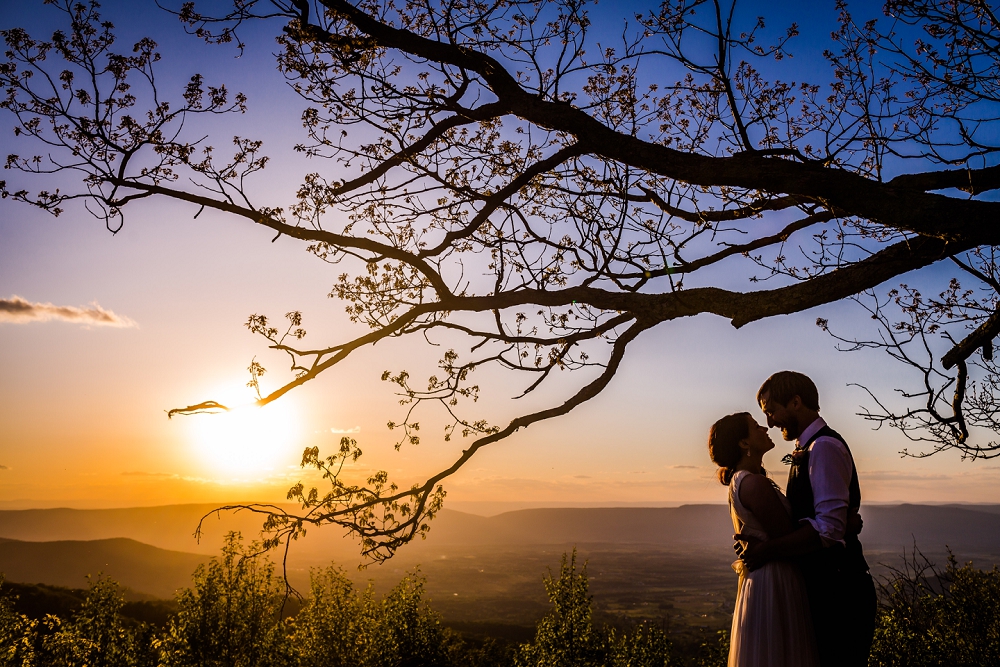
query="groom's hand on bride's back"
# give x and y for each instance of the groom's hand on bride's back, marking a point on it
(748, 549)
(741, 541)
(854, 523)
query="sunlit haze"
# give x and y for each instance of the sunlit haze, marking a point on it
(247, 441)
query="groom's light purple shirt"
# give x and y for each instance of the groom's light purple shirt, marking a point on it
(830, 475)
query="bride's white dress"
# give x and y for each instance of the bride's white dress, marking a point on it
(771, 622)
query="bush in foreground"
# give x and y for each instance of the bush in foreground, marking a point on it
(930, 618)
(566, 637)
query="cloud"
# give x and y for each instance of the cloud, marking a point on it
(582, 477)
(684, 467)
(21, 311)
(903, 475)
(2, 467)
(269, 478)
(345, 431)
(641, 489)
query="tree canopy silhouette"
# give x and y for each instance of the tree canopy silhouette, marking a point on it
(492, 174)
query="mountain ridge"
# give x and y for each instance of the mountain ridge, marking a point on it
(171, 527)
(140, 567)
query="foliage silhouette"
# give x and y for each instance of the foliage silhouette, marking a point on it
(96, 635)
(232, 616)
(566, 636)
(341, 626)
(929, 617)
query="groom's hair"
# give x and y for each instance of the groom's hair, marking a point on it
(783, 386)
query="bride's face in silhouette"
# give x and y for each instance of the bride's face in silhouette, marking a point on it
(758, 442)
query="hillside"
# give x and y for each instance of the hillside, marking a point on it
(37, 600)
(166, 526)
(140, 567)
(967, 530)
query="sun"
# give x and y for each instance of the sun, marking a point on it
(248, 440)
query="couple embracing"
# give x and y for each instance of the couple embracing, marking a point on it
(806, 597)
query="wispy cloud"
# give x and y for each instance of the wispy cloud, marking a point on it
(684, 467)
(640, 488)
(21, 311)
(271, 478)
(904, 475)
(345, 431)
(2, 467)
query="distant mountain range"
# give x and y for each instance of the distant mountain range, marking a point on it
(150, 550)
(688, 525)
(968, 530)
(973, 528)
(964, 528)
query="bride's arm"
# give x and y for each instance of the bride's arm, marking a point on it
(787, 539)
(758, 495)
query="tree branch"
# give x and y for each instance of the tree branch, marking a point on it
(973, 181)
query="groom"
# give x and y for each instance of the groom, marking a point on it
(825, 497)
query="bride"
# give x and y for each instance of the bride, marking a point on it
(771, 622)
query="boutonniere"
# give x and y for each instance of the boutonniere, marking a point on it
(795, 457)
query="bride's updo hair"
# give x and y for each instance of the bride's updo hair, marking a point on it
(724, 443)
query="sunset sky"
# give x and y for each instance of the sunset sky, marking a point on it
(102, 334)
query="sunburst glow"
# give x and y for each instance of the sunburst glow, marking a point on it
(248, 441)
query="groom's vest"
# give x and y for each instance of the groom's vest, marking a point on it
(800, 494)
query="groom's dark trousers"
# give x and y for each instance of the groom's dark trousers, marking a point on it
(842, 603)
(840, 588)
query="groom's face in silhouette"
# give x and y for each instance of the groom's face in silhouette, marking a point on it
(782, 416)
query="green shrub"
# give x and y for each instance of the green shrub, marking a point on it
(490, 652)
(232, 615)
(95, 635)
(565, 637)
(14, 633)
(927, 617)
(340, 627)
(714, 653)
(97, 627)
(645, 646)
